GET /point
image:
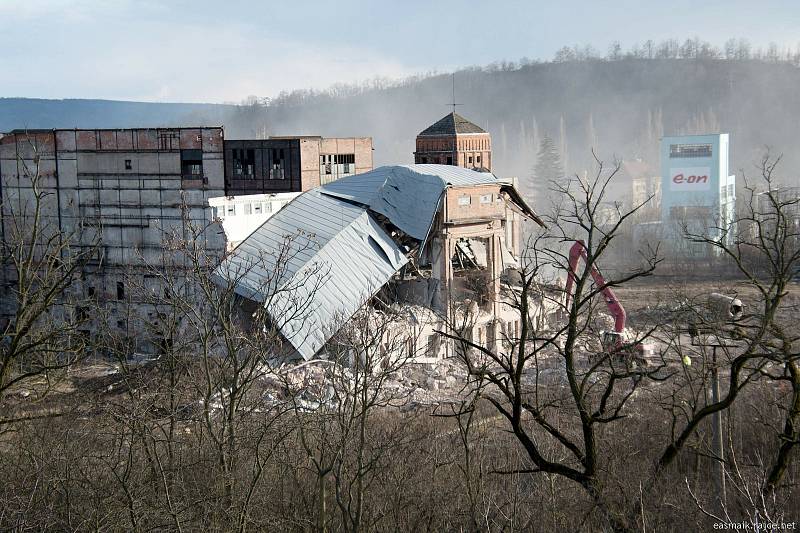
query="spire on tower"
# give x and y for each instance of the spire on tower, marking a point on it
(454, 104)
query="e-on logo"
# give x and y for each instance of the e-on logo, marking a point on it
(690, 179)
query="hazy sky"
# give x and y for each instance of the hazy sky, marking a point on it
(203, 51)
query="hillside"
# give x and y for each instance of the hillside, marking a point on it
(620, 108)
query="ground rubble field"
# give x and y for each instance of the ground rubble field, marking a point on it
(649, 302)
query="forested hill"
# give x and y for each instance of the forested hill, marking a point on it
(619, 107)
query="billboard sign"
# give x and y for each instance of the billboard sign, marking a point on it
(690, 179)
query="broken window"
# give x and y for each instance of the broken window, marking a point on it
(449, 160)
(327, 166)
(192, 164)
(231, 210)
(478, 160)
(128, 164)
(238, 163)
(257, 208)
(347, 162)
(486, 198)
(335, 164)
(120, 290)
(470, 253)
(244, 162)
(433, 346)
(276, 171)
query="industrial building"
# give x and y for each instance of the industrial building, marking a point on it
(124, 189)
(645, 189)
(437, 237)
(129, 188)
(421, 233)
(454, 140)
(697, 191)
(292, 164)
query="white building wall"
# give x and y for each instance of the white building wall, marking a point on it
(242, 215)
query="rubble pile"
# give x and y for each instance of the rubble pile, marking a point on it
(316, 382)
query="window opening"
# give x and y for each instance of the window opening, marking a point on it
(192, 164)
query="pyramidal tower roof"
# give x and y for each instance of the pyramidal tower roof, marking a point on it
(452, 124)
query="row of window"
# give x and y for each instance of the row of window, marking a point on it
(442, 160)
(335, 164)
(337, 159)
(467, 200)
(463, 144)
(120, 294)
(448, 160)
(690, 150)
(243, 161)
(191, 164)
(250, 208)
(91, 293)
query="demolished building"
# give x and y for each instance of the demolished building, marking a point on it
(127, 194)
(429, 236)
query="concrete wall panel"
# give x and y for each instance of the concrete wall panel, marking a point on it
(66, 141)
(124, 139)
(146, 140)
(169, 163)
(191, 139)
(107, 140)
(212, 139)
(86, 140)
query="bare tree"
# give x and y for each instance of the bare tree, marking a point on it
(766, 253)
(342, 432)
(597, 383)
(42, 333)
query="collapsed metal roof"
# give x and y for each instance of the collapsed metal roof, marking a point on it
(319, 259)
(409, 195)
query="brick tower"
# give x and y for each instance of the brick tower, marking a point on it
(454, 140)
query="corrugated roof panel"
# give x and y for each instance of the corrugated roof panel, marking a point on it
(313, 265)
(281, 246)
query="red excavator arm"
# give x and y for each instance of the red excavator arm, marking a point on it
(578, 251)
